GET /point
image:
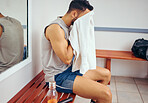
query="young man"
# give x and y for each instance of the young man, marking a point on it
(57, 55)
(11, 42)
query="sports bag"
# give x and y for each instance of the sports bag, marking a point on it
(140, 48)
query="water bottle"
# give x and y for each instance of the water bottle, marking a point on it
(52, 94)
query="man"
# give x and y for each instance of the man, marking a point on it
(58, 54)
(11, 42)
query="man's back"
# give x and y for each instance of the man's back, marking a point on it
(52, 64)
(11, 43)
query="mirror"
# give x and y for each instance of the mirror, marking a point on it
(13, 33)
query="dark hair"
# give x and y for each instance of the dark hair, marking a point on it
(81, 5)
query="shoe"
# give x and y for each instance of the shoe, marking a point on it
(92, 101)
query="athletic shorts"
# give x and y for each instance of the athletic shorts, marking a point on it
(65, 80)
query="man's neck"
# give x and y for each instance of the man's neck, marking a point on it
(67, 20)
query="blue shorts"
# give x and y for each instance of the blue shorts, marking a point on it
(65, 80)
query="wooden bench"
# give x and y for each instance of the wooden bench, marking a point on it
(113, 54)
(35, 92)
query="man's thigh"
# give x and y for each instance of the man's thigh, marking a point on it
(97, 74)
(90, 89)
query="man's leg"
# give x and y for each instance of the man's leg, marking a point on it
(99, 74)
(88, 88)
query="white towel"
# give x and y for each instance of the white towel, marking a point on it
(82, 40)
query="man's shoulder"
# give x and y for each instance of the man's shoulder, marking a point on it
(54, 27)
(55, 31)
(13, 20)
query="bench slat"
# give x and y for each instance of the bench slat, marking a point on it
(30, 90)
(73, 96)
(40, 97)
(113, 54)
(59, 95)
(45, 100)
(35, 93)
(22, 91)
(64, 96)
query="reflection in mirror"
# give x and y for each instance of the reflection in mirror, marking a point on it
(13, 33)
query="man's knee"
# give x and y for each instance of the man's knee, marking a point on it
(107, 75)
(107, 95)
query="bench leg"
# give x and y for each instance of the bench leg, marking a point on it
(108, 65)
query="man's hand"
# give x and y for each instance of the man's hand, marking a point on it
(56, 35)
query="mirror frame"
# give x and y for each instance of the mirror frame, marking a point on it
(12, 70)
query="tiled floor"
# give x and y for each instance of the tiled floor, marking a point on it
(125, 90)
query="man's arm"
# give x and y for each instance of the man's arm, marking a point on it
(1, 30)
(56, 36)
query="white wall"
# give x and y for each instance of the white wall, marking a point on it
(16, 9)
(42, 13)
(122, 14)
(114, 13)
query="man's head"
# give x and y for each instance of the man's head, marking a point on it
(78, 8)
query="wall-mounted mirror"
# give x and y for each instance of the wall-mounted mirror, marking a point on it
(13, 33)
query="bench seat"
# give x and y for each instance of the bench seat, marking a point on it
(114, 54)
(35, 92)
